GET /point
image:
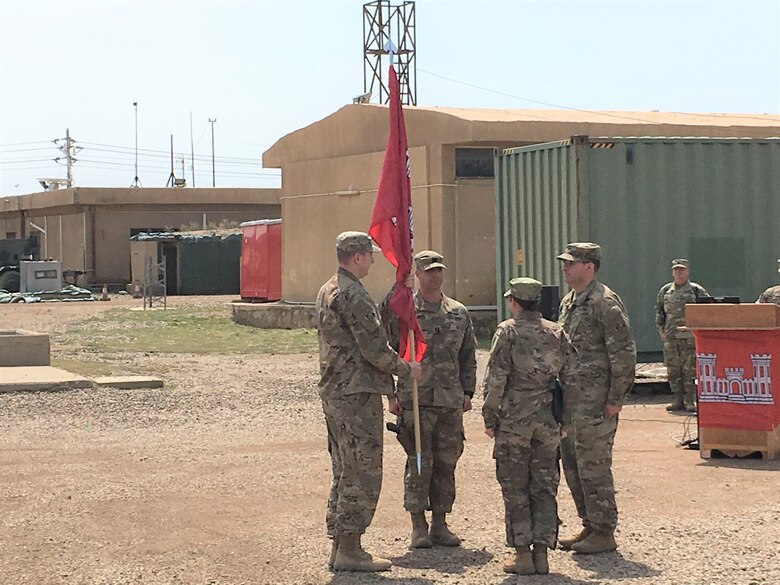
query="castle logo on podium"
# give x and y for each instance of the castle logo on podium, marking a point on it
(734, 387)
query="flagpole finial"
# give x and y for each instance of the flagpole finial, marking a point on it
(391, 49)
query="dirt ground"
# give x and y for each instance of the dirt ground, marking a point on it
(222, 478)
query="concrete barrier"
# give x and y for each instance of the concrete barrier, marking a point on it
(275, 315)
(23, 348)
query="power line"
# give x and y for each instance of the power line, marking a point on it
(14, 150)
(199, 158)
(165, 169)
(25, 143)
(164, 153)
(3, 162)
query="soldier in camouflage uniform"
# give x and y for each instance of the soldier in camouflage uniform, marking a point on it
(445, 391)
(356, 367)
(527, 355)
(772, 294)
(679, 346)
(597, 324)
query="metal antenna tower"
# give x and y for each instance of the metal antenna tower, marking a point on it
(136, 181)
(396, 23)
(172, 177)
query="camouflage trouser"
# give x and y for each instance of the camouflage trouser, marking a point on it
(527, 469)
(441, 441)
(355, 435)
(586, 453)
(680, 360)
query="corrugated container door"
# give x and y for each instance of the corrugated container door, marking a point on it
(229, 264)
(262, 260)
(274, 236)
(248, 258)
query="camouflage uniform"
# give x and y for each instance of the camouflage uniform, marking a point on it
(770, 295)
(679, 346)
(597, 324)
(527, 354)
(449, 374)
(356, 367)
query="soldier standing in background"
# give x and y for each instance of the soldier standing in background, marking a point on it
(772, 294)
(527, 354)
(597, 324)
(679, 346)
(356, 367)
(445, 392)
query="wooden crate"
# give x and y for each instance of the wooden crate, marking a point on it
(723, 316)
(737, 443)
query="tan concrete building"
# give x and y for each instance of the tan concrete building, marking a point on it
(89, 229)
(330, 170)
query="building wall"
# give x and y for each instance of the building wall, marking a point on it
(311, 222)
(344, 152)
(95, 222)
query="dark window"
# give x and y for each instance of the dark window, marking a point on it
(474, 163)
(10, 235)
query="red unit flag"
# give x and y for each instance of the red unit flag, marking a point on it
(738, 375)
(391, 221)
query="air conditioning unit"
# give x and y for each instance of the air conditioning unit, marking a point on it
(39, 276)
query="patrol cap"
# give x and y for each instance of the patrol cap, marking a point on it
(581, 252)
(428, 259)
(525, 289)
(355, 242)
(680, 263)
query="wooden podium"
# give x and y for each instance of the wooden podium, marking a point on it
(738, 377)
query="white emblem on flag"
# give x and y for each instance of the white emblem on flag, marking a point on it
(734, 387)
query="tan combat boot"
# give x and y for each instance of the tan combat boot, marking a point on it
(350, 556)
(597, 541)
(419, 538)
(567, 543)
(539, 556)
(334, 547)
(521, 562)
(440, 532)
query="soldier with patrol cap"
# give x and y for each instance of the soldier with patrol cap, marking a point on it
(356, 367)
(772, 294)
(445, 392)
(679, 346)
(527, 355)
(597, 324)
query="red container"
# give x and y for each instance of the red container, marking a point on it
(261, 260)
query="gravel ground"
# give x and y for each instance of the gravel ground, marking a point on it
(222, 478)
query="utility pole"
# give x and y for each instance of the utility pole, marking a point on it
(213, 167)
(192, 151)
(136, 181)
(69, 152)
(69, 157)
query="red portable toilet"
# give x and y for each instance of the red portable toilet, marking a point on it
(261, 260)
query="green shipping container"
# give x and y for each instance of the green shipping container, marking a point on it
(715, 201)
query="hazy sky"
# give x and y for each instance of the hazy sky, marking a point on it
(266, 68)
